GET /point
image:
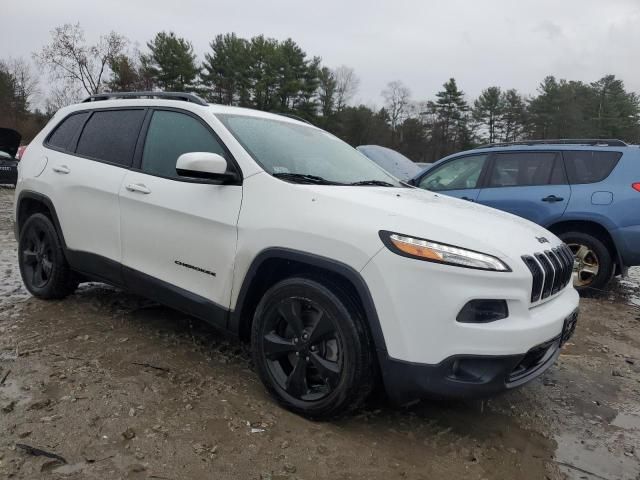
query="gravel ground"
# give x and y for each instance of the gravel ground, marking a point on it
(120, 387)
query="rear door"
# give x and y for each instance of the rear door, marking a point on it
(88, 157)
(458, 177)
(532, 185)
(180, 231)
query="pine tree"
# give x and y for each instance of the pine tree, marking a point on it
(451, 110)
(513, 116)
(615, 112)
(326, 92)
(226, 70)
(488, 110)
(127, 75)
(171, 62)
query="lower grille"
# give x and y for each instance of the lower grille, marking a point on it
(551, 270)
(535, 358)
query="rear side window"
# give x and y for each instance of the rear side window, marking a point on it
(522, 169)
(66, 131)
(111, 135)
(590, 166)
(170, 135)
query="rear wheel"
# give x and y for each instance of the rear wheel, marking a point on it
(593, 265)
(311, 348)
(43, 267)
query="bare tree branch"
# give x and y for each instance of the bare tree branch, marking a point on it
(347, 84)
(68, 58)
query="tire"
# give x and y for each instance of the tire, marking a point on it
(312, 349)
(594, 265)
(43, 267)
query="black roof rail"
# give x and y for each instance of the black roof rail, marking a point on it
(187, 97)
(593, 142)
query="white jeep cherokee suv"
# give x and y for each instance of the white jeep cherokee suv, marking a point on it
(280, 233)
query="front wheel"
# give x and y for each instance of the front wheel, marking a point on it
(593, 266)
(312, 349)
(43, 267)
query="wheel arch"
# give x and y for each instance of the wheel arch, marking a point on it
(275, 264)
(32, 202)
(593, 228)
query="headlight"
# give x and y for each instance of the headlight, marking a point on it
(430, 251)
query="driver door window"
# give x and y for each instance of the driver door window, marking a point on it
(458, 178)
(170, 135)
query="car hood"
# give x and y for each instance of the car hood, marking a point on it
(9, 141)
(423, 214)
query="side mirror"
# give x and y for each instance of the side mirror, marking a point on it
(204, 165)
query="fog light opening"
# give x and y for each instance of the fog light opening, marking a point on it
(483, 311)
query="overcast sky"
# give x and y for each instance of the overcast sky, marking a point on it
(509, 43)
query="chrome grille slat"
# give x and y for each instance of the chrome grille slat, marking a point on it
(538, 277)
(548, 274)
(551, 271)
(557, 271)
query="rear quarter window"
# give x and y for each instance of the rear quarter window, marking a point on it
(111, 135)
(590, 166)
(66, 131)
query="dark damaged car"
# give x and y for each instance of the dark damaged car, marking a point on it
(9, 144)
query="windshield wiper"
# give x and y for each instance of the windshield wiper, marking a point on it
(305, 178)
(377, 183)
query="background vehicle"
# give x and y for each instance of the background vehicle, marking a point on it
(585, 191)
(278, 232)
(9, 143)
(393, 162)
(21, 150)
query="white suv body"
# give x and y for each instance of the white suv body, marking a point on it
(218, 249)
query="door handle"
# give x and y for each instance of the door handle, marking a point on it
(137, 187)
(552, 199)
(61, 169)
(467, 199)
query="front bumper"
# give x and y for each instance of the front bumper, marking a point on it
(424, 351)
(471, 376)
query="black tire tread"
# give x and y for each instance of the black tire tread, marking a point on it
(63, 280)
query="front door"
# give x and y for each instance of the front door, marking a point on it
(531, 185)
(177, 231)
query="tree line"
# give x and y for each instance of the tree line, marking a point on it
(279, 76)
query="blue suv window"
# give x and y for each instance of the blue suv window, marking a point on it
(590, 166)
(458, 174)
(525, 169)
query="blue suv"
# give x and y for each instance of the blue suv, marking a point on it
(587, 192)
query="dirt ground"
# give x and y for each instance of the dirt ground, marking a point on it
(123, 388)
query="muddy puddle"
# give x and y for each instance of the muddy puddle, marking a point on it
(123, 388)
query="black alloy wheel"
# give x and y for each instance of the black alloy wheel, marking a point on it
(302, 348)
(37, 257)
(43, 266)
(312, 349)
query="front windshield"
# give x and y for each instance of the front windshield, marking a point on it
(289, 150)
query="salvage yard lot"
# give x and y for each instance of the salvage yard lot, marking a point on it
(120, 387)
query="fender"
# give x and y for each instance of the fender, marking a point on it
(28, 194)
(317, 261)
